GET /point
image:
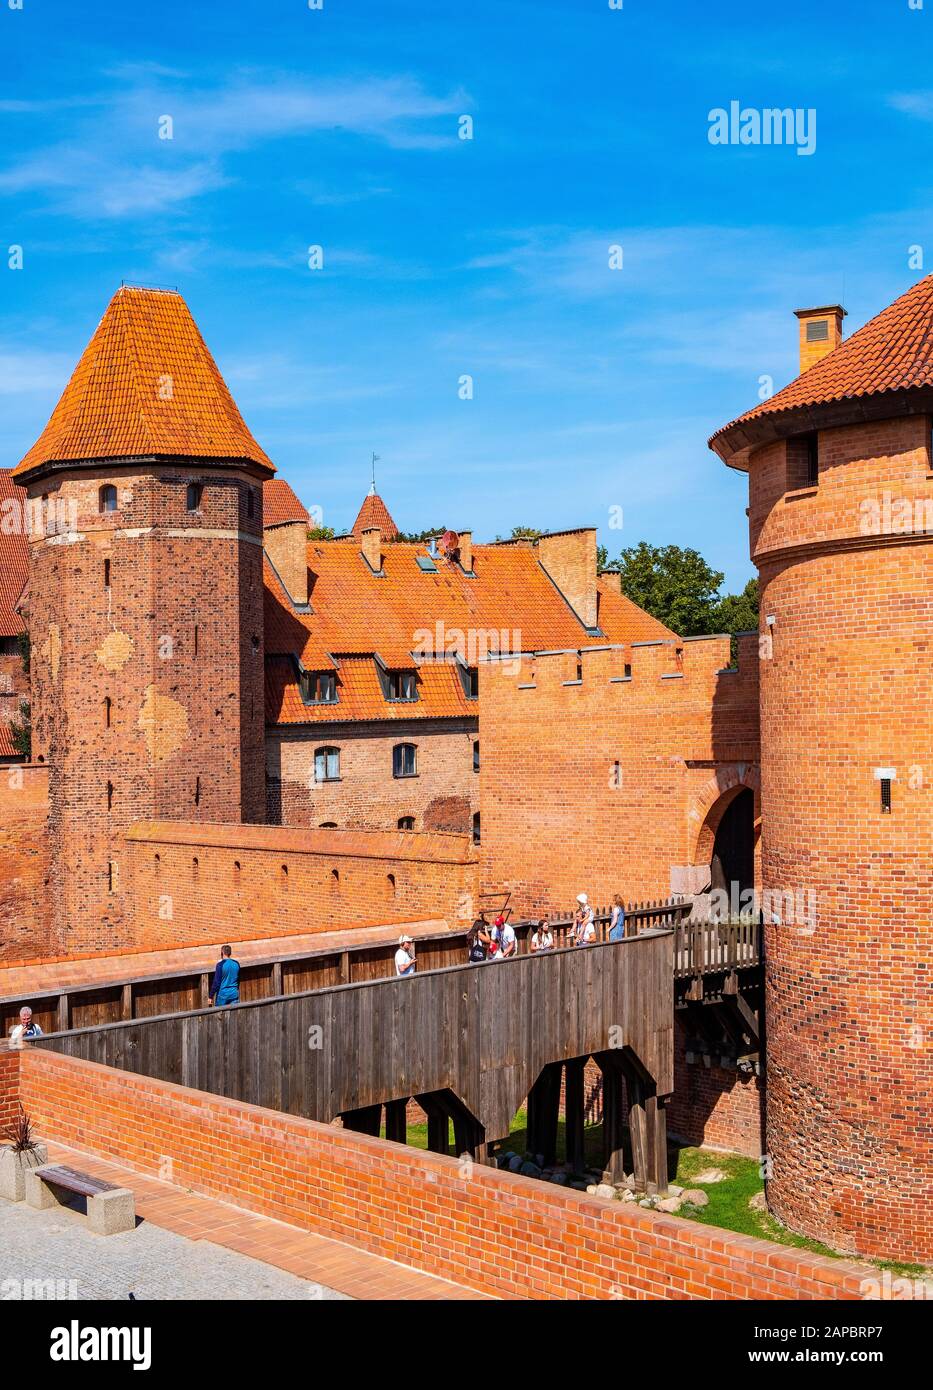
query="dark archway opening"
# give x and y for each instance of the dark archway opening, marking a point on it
(735, 841)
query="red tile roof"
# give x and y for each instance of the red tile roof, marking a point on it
(511, 605)
(14, 552)
(892, 352)
(7, 749)
(374, 512)
(146, 385)
(280, 504)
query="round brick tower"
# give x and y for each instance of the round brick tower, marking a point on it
(841, 524)
(145, 607)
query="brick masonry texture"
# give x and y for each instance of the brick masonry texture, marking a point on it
(594, 782)
(442, 796)
(194, 883)
(715, 1107)
(148, 673)
(848, 690)
(25, 906)
(493, 1231)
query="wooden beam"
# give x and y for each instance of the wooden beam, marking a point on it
(397, 1121)
(366, 1120)
(574, 1113)
(126, 1001)
(64, 1014)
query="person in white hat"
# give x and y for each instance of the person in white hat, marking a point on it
(584, 922)
(405, 955)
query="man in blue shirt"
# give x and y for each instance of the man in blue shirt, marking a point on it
(225, 987)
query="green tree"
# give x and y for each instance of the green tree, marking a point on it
(421, 537)
(739, 612)
(321, 533)
(676, 586)
(522, 533)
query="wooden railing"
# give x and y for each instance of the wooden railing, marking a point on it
(704, 948)
(88, 1006)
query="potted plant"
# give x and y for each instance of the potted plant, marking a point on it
(21, 1151)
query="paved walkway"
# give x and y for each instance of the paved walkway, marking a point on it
(52, 1255)
(25, 979)
(337, 1268)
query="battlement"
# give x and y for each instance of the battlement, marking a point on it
(699, 662)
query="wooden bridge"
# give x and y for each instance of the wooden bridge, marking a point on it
(329, 1034)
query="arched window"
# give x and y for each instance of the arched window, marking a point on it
(404, 760)
(406, 822)
(328, 825)
(195, 493)
(327, 764)
(334, 877)
(476, 827)
(391, 878)
(107, 498)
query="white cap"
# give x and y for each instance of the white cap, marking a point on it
(581, 897)
(404, 937)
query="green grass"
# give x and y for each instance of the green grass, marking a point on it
(728, 1200)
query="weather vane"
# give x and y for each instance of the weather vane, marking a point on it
(372, 490)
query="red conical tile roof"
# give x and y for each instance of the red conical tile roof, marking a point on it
(374, 512)
(146, 385)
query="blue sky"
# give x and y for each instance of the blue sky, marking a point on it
(594, 389)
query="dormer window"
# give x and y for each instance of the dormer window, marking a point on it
(108, 498)
(469, 676)
(400, 685)
(319, 687)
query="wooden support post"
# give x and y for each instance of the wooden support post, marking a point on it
(656, 1117)
(614, 1120)
(205, 992)
(344, 967)
(276, 980)
(126, 1001)
(543, 1112)
(438, 1122)
(397, 1121)
(574, 1113)
(64, 1014)
(638, 1129)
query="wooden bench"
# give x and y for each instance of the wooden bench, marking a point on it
(110, 1209)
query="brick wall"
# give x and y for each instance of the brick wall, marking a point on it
(846, 690)
(491, 1230)
(593, 781)
(26, 930)
(14, 687)
(443, 796)
(9, 1085)
(714, 1106)
(193, 884)
(174, 642)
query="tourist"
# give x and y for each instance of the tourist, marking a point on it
(405, 955)
(542, 938)
(584, 922)
(25, 1028)
(225, 986)
(508, 943)
(617, 919)
(476, 942)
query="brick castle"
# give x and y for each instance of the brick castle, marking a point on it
(238, 731)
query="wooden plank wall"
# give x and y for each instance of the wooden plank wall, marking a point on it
(484, 1032)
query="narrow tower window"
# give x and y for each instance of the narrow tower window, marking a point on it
(195, 492)
(885, 796)
(109, 796)
(108, 704)
(197, 791)
(108, 498)
(106, 574)
(476, 828)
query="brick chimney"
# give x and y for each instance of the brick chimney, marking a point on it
(466, 550)
(612, 580)
(371, 540)
(569, 557)
(820, 332)
(287, 547)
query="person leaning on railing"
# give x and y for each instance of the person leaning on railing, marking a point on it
(542, 938)
(617, 919)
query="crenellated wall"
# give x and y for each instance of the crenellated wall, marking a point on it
(607, 770)
(191, 884)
